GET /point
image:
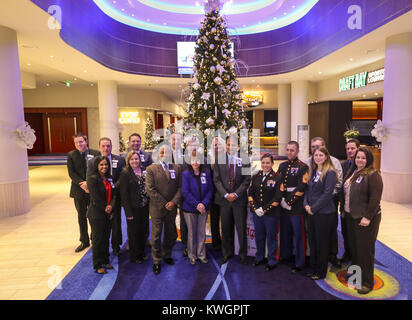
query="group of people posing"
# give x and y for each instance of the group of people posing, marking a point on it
(297, 204)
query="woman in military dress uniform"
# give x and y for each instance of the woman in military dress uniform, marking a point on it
(263, 199)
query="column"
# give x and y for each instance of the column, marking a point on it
(396, 155)
(259, 121)
(283, 117)
(14, 172)
(300, 116)
(109, 112)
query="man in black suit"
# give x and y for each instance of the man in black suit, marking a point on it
(231, 195)
(178, 157)
(135, 142)
(351, 147)
(117, 163)
(77, 166)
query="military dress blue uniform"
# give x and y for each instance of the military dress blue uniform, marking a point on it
(294, 179)
(264, 193)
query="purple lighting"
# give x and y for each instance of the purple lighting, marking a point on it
(184, 16)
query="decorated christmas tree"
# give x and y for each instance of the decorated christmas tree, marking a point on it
(149, 139)
(215, 99)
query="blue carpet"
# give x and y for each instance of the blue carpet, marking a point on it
(213, 281)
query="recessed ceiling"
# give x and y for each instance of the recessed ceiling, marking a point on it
(184, 16)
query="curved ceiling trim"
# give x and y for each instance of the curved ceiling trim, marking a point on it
(262, 26)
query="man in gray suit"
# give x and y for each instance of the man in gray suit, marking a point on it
(231, 195)
(163, 180)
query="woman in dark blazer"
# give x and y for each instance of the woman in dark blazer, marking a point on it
(102, 200)
(320, 206)
(361, 196)
(136, 205)
(264, 199)
(197, 192)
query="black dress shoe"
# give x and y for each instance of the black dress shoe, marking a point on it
(296, 270)
(335, 262)
(270, 267)
(243, 261)
(224, 260)
(364, 290)
(117, 252)
(82, 247)
(145, 258)
(257, 263)
(184, 253)
(169, 261)
(156, 269)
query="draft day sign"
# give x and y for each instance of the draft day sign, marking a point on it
(361, 79)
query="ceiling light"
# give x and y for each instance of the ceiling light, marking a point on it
(148, 20)
(92, 84)
(132, 14)
(75, 79)
(320, 72)
(293, 7)
(350, 59)
(52, 57)
(85, 71)
(285, 13)
(48, 84)
(376, 93)
(29, 64)
(122, 9)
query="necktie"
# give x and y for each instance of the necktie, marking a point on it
(264, 177)
(231, 176)
(166, 167)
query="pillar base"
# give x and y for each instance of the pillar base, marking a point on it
(15, 199)
(397, 187)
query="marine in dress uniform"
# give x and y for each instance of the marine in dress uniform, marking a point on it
(294, 179)
(263, 196)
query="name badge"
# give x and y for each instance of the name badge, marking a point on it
(90, 156)
(114, 164)
(270, 183)
(316, 179)
(144, 173)
(172, 174)
(203, 180)
(359, 179)
(239, 163)
(294, 170)
(111, 183)
(142, 158)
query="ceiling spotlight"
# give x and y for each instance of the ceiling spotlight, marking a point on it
(48, 84)
(148, 20)
(75, 79)
(320, 72)
(122, 10)
(364, 95)
(285, 13)
(350, 59)
(293, 7)
(85, 71)
(52, 57)
(29, 64)
(92, 84)
(376, 93)
(132, 14)
(156, 80)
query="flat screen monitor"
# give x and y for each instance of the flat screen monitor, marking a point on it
(185, 54)
(270, 124)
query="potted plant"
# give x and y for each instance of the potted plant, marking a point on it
(351, 133)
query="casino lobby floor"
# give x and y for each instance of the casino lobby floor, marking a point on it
(37, 248)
